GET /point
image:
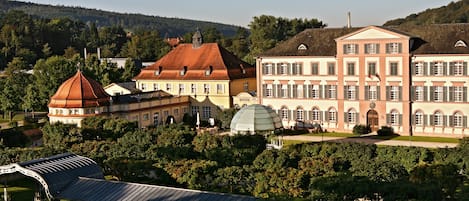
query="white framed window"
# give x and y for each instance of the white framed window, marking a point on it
(393, 48)
(438, 68)
(269, 91)
(181, 88)
(458, 68)
(371, 68)
(438, 118)
(300, 114)
(168, 87)
(458, 94)
(332, 117)
(330, 68)
(438, 94)
(419, 69)
(351, 93)
(373, 93)
(143, 86)
(393, 68)
(315, 68)
(350, 49)
(268, 68)
(193, 88)
(206, 88)
(284, 91)
(332, 91)
(419, 118)
(419, 94)
(297, 68)
(221, 89)
(352, 116)
(283, 70)
(394, 117)
(156, 87)
(394, 94)
(284, 113)
(457, 119)
(315, 92)
(351, 68)
(207, 110)
(371, 48)
(315, 114)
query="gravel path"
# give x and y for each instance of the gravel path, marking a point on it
(371, 141)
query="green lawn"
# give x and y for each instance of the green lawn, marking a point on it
(393, 137)
(418, 138)
(21, 189)
(292, 142)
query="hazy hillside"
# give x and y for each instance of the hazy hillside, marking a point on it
(454, 12)
(170, 26)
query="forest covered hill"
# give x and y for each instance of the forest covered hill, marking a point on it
(164, 25)
(454, 12)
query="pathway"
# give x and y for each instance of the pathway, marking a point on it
(371, 141)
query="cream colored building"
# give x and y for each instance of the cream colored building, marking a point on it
(80, 97)
(206, 72)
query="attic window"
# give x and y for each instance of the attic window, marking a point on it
(208, 71)
(302, 47)
(460, 43)
(183, 71)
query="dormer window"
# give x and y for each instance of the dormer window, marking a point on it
(158, 72)
(302, 47)
(183, 71)
(460, 43)
(209, 71)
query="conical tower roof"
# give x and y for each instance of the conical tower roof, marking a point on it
(79, 92)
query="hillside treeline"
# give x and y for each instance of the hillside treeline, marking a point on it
(454, 12)
(241, 164)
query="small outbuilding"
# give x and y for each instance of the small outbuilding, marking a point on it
(255, 119)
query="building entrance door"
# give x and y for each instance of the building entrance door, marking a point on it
(372, 120)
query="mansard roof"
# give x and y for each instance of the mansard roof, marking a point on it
(221, 63)
(428, 39)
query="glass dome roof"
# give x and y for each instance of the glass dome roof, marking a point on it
(255, 119)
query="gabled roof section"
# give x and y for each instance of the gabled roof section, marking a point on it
(88, 189)
(319, 42)
(221, 63)
(374, 32)
(130, 86)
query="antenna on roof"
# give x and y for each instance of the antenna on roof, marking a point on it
(349, 20)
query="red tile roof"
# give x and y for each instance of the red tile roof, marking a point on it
(79, 92)
(223, 64)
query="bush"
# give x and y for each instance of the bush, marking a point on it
(385, 131)
(361, 129)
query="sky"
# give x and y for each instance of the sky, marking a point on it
(241, 12)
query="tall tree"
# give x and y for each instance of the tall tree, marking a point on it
(13, 90)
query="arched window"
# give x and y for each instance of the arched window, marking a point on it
(284, 113)
(315, 114)
(352, 116)
(419, 118)
(438, 118)
(302, 47)
(457, 119)
(394, 118)
(460, 43)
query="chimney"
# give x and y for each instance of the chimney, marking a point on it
(349, 20)
(84, 52)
